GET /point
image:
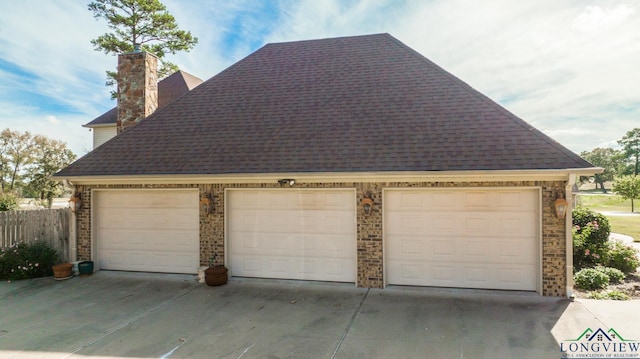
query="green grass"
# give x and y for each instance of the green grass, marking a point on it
(623, 224)
(606, 202)
(629, 225)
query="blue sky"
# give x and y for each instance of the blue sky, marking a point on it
(570, 68)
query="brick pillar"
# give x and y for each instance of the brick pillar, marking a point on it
(369, 227)
(137, 88)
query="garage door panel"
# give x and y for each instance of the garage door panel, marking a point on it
(511, 200)
(516, 200)
(474, 223)
(129, 239)
(477, 276)
(475, 199)
(440, 274)
(514, 275)
(467, 276)
(286, 267)
(516, 251)
(512, 225)
(160, 219)
(140, 199)
(296, 245)
(292, 234)
(272, 200)
(147, 262)
(407, 201)
(410, 224)
(291, 221)
(475, 250)
(147, 230)
(462, 238)
(443, 249)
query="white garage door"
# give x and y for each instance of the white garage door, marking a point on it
(147, 230)
(292, 234)
(469, 238)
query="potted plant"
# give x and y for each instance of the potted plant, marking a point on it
(85, 268)
(62, 271)
(215, 274)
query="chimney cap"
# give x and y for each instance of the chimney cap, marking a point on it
(136, 48)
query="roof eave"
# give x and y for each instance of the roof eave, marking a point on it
(100, 125)
(333, 177)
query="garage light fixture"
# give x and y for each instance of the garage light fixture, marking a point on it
(75, 202)
(560, 206)
(288, 181)
(367, 203)
(206, 203)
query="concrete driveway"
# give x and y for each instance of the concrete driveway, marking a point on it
(138, 315)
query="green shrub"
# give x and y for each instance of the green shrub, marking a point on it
(27, 260)
(622, 257)
(8, 202)
(613, 294)
(590, 279)
(600, 228)
(589, 248)
(615, 275)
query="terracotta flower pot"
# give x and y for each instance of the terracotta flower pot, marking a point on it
(216, 275)
(62, 271)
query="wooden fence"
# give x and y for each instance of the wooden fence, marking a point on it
(49, 225)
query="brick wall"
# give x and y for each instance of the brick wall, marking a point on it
(369, 239)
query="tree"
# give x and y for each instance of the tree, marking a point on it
(144, 23)
(16, 152)
(27, 163)
(49, 156)
(607, 158)
(628, 187)
(631, 148)
(5, 137)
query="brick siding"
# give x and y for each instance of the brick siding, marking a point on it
(369, 239)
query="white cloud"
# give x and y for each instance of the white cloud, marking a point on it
(594, 18)
(53, 120)
(52, 44)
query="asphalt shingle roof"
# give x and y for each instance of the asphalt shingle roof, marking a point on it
(352, 104)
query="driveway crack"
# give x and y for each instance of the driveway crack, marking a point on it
(350, 324)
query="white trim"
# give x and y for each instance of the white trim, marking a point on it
(385, 270)
(73, 236)
(94, 241)
(539, 246)
(225, 226)
(329, 177)
(113, 124)
(569, 236)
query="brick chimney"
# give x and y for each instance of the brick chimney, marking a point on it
(137, 87)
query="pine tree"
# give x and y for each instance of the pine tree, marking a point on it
(143, 23)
